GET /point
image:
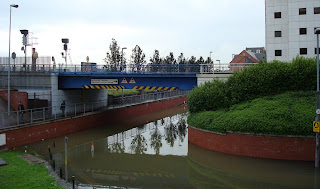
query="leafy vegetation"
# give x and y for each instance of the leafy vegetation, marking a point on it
(20, 174)
(256, 81)
(290, 113)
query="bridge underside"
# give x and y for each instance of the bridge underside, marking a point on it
(128, 81)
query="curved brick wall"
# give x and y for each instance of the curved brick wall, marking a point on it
(261, 146)
(30, 134)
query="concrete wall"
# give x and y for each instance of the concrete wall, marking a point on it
(46, 84)
(76, 96)
(202, 78)
(26, 135)
(261, 146)
(289, 24)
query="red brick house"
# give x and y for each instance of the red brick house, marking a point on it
(247, 57)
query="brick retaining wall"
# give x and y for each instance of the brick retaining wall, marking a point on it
(261, 146)
(26, 135)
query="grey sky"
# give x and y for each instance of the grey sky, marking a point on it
(192, 27)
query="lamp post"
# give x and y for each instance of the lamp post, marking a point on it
(65, 42)
(14, 6)
(219, 65)
(317, 32)
(122, 57)
(210, 56)
(25, 43)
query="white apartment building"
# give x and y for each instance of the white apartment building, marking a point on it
(290, 28)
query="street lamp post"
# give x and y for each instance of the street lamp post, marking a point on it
(25, 43)
(317, 32)
(15, 6)
(122, 57)
(65, 42)
(219, 65)
(210, 55)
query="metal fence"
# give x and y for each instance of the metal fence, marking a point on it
(129, 68)
(31, 116)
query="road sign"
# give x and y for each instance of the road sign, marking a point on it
(104, 81)
(316, 126)
(124, 81)
(132, 81)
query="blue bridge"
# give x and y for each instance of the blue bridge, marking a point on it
(153, 77)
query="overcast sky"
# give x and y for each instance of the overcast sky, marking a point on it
(192, 27)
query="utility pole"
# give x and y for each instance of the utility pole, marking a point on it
(317, 32)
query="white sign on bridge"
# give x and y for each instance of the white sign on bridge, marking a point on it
(104, 81)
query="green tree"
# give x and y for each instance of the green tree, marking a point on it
(113, 57)
(192, 60)
(138, 57)
(170, 59)
(208, 61)
(155, 59)
(200, 60)
(181, 59)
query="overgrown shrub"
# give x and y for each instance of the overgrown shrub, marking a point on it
(290, 113)
(256, 81)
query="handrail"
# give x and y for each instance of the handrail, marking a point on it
(128, 68)
(31, 116)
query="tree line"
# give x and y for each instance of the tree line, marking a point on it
(116, 58)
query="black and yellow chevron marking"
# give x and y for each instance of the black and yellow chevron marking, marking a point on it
(102, 87)
(154, 88)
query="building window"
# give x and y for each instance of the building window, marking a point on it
(278, 52)
(277, 33)
(316, 10)
(303, 51)
(315, 50)
(303, 31)
(258, 51)
(302, 11)
(277, 15)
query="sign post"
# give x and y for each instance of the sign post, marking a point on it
(66, 156)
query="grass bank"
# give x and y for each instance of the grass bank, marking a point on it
(290, 113)
(20, 174)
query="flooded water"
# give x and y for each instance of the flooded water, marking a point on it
(152, 151)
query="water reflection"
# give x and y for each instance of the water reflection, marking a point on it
(157, 155)
(156, 138)
(138, 144)
(117, 147)
(182, 127)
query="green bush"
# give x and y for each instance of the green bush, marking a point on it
(256, 81)
(290, 113)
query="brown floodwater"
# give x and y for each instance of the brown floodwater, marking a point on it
(152, 151)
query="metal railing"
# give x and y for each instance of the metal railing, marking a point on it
(224, 68)
(37, 115)
(129, 68)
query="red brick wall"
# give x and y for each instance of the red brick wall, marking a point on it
(31, 134)
(241, 59)
(15, 98)
(272, 147)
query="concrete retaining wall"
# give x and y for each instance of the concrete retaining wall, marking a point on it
(22, 136)
(261, 146)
